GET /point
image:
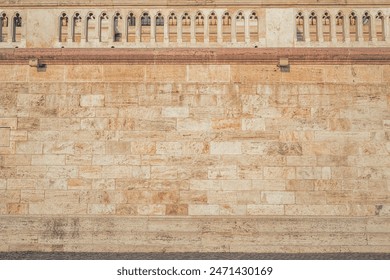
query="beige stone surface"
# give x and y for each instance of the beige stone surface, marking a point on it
(196, 151)
(5, 136)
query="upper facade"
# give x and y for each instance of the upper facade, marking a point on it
(196, 23)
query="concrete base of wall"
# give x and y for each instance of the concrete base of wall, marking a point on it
(189, 256)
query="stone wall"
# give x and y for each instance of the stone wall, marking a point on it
(195, 157)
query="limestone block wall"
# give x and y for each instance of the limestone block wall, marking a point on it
(198, 157)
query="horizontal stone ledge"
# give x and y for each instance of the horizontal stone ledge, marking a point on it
(213, 3)
(310, 56)
(202, 234)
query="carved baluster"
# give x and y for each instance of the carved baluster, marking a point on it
(166, 28)
(193, 31)
(247, 31)
(333, 33)
(206, 31)
(219, 26)
(320, 30)
(180, 29)
(373, 37)
(347, 31)
(306, 27)
(233, 29)
(153, 29)
(386, 28)
(359, 26)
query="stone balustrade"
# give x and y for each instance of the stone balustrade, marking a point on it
(203, 27)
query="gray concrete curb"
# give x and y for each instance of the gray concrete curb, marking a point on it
(189, 256)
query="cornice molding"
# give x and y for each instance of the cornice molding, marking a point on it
(333, 56)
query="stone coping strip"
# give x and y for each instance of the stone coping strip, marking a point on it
(186, 3)
(298, 56)
(189, 256)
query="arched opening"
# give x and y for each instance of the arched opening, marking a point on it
(17, 28)
(254, 27)
(64, 21)
(131, 27)
(3, 27)
(76, 28)
(240, 27)
(213, 22)
(90, 28)
(145, 27)
(326, 27)
(353, 33)
(380, 26)
(104, 27)
(186, 27)
(226, 27)
(300, 27)
(199, 27)
(159, 28)
(366, 19)
(313, 27)
(172, 27)
(340, 32)
(118, 27)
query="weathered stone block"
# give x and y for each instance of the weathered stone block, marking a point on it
(58, 148)
(277, 197)
(118, 148)
(57, 208)
(79, 184)
(253, 209)
(151, 210)
(29, 123)
(208, 73)
(5, 136)
(53, 73)
(253, 124)
(203, 210)
(190, 124)
(84, 73)
(169, 148)
(176, 210)
(3, 184)
(101, 209)
(279, 172)
(9, 196)
(13, 73)
(164, 172)
(29, 147)
(225, 148)
(117, 172)
(17, 209)
(222, 172)
(94, 100)
(48, 160)
(316, 210)
(237, 185)
(231, 124)
(157, 73)
(121, 73)
(32, 196)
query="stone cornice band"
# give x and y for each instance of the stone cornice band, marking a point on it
(331, 56)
